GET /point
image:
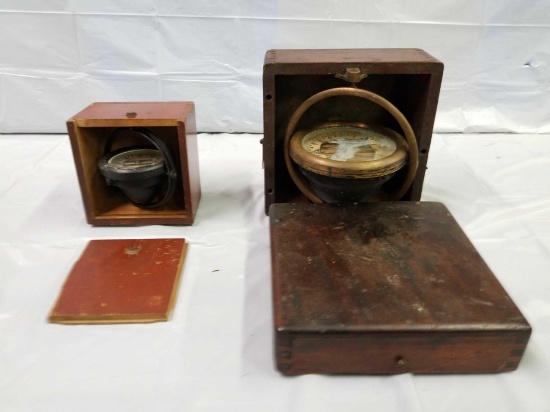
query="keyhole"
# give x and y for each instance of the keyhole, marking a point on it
(400, 362)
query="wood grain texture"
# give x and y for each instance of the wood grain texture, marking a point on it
(386, 288)
(146, 114)
(122, 281)
(408, 78)
(386, 60)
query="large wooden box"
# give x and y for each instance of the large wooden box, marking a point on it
(386, 288)
(408, 78)
(173, 123)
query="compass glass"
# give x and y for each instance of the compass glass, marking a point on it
(348, 144)
(347, 162)
(136, 159)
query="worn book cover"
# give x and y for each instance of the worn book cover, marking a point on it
(122, 281)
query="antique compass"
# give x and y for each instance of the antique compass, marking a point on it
(145, 175)
(349, 162)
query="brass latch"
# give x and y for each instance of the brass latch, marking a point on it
(352, 75)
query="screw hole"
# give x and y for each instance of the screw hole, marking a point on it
(423, 151)
(268, 97)
(269, 191)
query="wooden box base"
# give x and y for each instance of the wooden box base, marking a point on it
(386, 288)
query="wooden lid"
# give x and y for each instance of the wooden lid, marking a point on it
(381, 267)
(122, 281)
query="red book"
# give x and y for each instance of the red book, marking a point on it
(122, 281)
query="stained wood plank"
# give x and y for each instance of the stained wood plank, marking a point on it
(122, 281)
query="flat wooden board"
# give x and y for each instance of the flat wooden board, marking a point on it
(384, 266)
(122, 281)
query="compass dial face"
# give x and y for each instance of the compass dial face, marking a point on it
(348, 144)
(136, 159)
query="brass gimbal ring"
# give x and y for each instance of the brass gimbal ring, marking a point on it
(300, 180)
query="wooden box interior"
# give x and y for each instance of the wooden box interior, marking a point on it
(410, 79)
(104, 204)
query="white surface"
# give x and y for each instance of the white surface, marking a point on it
(58, 56)
(215, 354)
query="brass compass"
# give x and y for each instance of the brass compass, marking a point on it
(145, 175)
(349, 162)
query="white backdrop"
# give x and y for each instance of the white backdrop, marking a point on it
(216, 353)
(58, 56)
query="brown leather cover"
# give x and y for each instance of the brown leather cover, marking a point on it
(122, 281)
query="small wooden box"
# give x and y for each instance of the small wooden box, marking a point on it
(173, 123)
(408, 78)
(386, 288)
